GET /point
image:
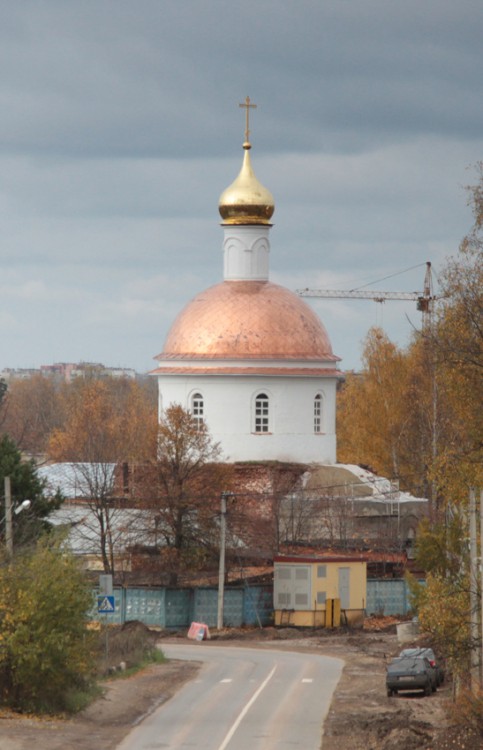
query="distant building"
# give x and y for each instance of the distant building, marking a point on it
(68, 371)
(20, 373)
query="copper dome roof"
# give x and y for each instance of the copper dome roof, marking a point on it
(248, 319)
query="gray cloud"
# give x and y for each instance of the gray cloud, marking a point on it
(120, 128)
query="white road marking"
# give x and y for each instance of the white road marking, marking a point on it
(227, 679)
(307, 679)
(243, 712)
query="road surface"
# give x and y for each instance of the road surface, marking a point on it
(242, 699)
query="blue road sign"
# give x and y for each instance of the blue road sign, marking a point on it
(106, 604)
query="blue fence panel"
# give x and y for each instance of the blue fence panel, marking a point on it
(387, 597)
(177, 608)
(253, 605)
(233, 608)
(258, 605)
(205, 606)
(146, 605)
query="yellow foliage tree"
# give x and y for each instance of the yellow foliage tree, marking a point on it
(105, 420)
(457, 340)
(416, 414)
(374, 410)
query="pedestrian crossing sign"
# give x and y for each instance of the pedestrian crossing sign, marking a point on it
(106, 604)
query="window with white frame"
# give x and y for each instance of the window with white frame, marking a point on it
(262, 413)
(197, 409)
(318, 414)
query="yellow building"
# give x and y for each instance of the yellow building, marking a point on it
(319, 591)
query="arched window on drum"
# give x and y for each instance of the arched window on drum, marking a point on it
(318, 414)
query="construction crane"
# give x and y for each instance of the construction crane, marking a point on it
(423, 299)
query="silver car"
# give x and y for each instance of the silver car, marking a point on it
(410, 673)
(426, 653)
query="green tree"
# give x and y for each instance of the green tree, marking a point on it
(25, 485)
(45, 647)
(443, 602)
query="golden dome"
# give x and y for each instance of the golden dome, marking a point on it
(248, 320)
(246, 201)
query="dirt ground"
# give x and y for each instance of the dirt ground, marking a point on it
(361, 716)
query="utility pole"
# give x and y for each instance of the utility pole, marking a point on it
(475, 655)
(221, 571)
(481, 588)
(8, 517)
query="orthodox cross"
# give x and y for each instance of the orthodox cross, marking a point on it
(248, 106)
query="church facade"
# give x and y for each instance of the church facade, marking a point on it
(247, 357)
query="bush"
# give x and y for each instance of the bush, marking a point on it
(467, 711)
(46, 651)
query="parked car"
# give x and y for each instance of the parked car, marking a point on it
(427, 653)
(410, 673)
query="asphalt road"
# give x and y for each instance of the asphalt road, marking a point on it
(242, 699)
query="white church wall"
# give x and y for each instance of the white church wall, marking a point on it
(228, 410)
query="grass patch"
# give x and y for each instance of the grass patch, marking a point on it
(77, 700)
(132, 645)
(155, 657)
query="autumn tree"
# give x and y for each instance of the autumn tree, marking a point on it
(457, 343)
(105, 421)
(457, 340)
(183, 486)
(373, 417)
(455, 346)
(108, 424)
(31, 410)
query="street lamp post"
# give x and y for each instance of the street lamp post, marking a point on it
(221, 570)
(8, 515)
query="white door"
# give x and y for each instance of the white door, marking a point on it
(344, 587)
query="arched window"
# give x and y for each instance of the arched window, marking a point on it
(197, 409)
(261, 413)
(318, 414)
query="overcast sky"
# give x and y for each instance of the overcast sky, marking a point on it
(120, 127)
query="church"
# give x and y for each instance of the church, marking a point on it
(251, 361)
(249, 358)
